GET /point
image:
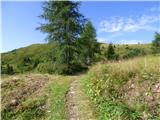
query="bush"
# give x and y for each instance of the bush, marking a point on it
(46, 68)
(110, 52)
(10, 70)
(7, 69)
(72, 69)
(59, 68)
(156, 43)
(27, 64)
(133, 52)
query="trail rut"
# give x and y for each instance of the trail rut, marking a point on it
(78, 104)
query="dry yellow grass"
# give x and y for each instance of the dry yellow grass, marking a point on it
(132, 84)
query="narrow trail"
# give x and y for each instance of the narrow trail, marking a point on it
(78, 104)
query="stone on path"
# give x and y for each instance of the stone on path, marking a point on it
(78, 104)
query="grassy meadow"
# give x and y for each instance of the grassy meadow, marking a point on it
(123, 89)
(39, 56)
(34, 96)
(127, 89)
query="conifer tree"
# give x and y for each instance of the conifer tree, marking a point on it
(156, 43)
(110, 52)
(88, 43)
(64, 25)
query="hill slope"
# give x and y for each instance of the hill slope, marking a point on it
(126, 90)
(28, 58)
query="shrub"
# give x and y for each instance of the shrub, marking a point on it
(156, 43)
(10, 70)
(72, 69)
(46, 68)
(7, 69)
(110, 52)
(27, 64)
(51, 68)
(133, 52)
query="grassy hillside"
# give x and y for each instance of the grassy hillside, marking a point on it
(128, 51)
(27, 58)
(34, 96)
(38, 57)
(126, 90)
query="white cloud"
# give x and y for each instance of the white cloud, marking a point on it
(111, 26)
(130, 42)
(116, 24)
(154, 9)
(102, 40)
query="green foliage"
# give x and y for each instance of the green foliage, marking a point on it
(55, 68)
(133, 52)
(46, 53)
(64, 25)
(109, 86)
(26, 59)
(46, 68)
(7, 69)
(26, 64)
(111, 53)
(45, 103)
(126, 51)
(57, 92)
(156, 43)
(87, 44)
(10, 70)
(73, 69)
(30, 109)
(106, 99)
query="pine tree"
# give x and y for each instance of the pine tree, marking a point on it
(9, 70)
(88, 43)
(156, 43)
(64, 25)
(110, 52)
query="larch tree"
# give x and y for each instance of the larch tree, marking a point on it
(88, 43)
(156, 43)
(110, 52)
(64, 25)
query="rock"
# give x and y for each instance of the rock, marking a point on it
(145, 115)
(15, 78)
(146, 93)
(14, 102)
(132, 86)
(156, 88)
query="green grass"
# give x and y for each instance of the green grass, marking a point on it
(37, 53)
(57, 91)
(128, 51)
(125, 90)
(44, 54)
(48, 103)
(105, 84)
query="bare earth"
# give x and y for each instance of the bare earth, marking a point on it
(78, 104)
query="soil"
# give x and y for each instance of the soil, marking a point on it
(29, 85)
(78, 104)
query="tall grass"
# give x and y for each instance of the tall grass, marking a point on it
(123, 90)
(47, 103)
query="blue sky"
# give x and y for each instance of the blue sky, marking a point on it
(116, 22)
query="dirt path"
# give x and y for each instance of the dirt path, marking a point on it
(78, 104)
